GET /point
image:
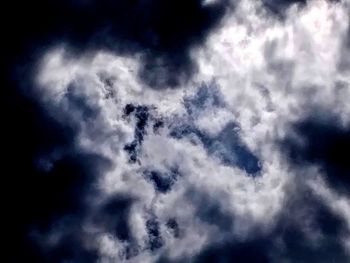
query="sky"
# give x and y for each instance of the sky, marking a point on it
(188, 131)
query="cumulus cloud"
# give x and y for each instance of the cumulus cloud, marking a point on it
(246, 160)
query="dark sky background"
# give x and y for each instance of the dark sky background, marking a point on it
(37, 195)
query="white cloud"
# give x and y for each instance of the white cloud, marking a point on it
(268, 72)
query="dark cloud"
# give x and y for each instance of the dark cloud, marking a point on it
(210, 210)
(174, 227)
(155, 240)
(309, 230)
(232, 151)
(113, 217)
(162, 181)
(207, 96)
(278, 7)
(45, 180)
(158, 124)
(75, 104)
(70, 247)
(141, 114)
(306, 231)
(325, 142)
(39, 196)
(251, 251)
(227, 146)
(163, 31)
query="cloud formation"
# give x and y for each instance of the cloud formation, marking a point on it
(246, 160)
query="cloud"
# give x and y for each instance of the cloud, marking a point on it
(152, 28)
(234, 164)
(306, 230)
(325, 143)
(279, 7)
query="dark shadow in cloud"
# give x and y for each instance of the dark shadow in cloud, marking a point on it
(306, 231)
(324, 142)
(158, 124)
(167, 70)
(108, 82)
(309, 231)
(211, 211)
(207, 96)
(141, 114)
(278, 7)
(75, 103)
(162, 181)
(132, 149)
(164, 32)
(227, 146)
(155, 240)
(232, 151)
(113, 217)
(173, 226)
